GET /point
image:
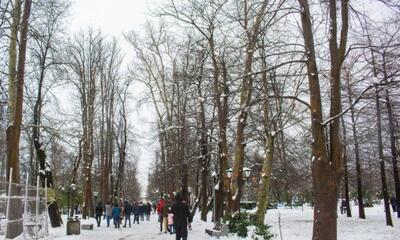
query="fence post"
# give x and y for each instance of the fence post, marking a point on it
(8, 201)
(25, 203)
(47, 207)
(37, 205)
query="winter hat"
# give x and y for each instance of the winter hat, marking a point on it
(178, 197)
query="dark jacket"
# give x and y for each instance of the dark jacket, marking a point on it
(142, 208)
(128, 209)
(136, 210)
(182, 214)
(148, 208)
(99, 210)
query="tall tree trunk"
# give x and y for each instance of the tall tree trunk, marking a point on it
(262, 199)
(361, 212)
(123, 141)
(12, 60)
(269, 145)
(221, 106)
(245, 98)
(88, 207)
(109, 188)
(326, 165)
(382, 162)
(204, 165)
(393, 147)
(222, 113)
(16, 106)
(163, 183)
(74, 176)
(103, 160)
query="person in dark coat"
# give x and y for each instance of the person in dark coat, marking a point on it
(128, 212)
(343, 206)
(148, 211)
(182, 217)
(99, 213)
(136, 213)
(142, 210)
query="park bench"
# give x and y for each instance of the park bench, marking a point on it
(31, 228)
(87, 226)
(218, 230)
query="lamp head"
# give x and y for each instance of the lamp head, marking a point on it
(229, 172)
(247, 172)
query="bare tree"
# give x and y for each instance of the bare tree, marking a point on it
(327, 164)
(204, 17)
(45, 31)
(15, 105)
(83, 59)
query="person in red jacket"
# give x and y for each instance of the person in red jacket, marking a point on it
(160, 206)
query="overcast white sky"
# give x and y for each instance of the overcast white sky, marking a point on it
(111, 16)
(115, 17)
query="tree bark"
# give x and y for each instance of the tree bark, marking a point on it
(361, 212)
(326, 168)
(382, 162)
(393, 147)
(204, 157)
(262, 199)
(12, 60)
(14, 229)
(245, 97)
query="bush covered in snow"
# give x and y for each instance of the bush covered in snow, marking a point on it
(244, 223)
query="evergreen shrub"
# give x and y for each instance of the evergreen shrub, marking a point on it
(239, 222)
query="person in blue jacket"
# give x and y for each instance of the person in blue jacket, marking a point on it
(116, 213)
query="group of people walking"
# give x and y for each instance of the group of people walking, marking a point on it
(174, 216)
(121, 211)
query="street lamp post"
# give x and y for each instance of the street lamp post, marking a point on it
(95, 194)
(247, 173)
(214, 175)
(73, 188)
(190, 194)
(62, 189)
(229, 175)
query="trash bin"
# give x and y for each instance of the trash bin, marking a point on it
(73, 226)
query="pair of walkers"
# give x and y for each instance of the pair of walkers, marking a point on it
(179, 214)
(162, 211)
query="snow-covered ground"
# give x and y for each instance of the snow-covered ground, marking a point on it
(296, 224)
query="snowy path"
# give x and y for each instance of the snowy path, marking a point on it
(295, 225)
(143, 231)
